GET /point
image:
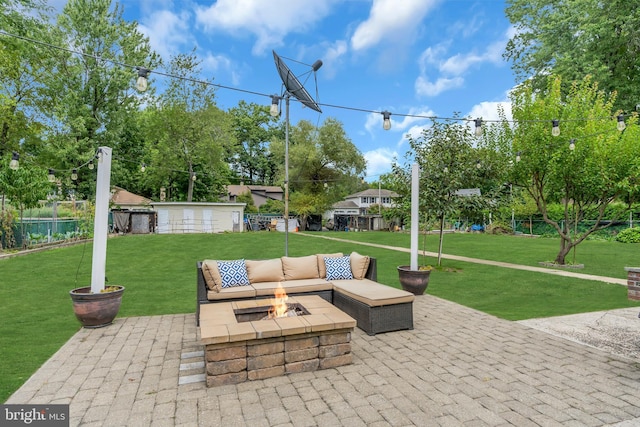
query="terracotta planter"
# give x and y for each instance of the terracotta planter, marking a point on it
(414, 281)
(96, 310)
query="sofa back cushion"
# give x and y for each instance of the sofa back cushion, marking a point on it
(304, 267)
(338, 268)
(233, 273)
(268, 270)
(322, 268)
(359, 265)
(211, 275)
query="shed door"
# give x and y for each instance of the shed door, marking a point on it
(163, 221)
(207, 221)
(188, 220)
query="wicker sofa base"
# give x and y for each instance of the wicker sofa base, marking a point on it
(379, 319)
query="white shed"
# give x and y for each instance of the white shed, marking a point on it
(198, 217)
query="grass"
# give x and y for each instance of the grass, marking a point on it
(159, 274)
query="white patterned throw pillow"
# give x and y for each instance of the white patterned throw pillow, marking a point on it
(338, 268)
(233, 273)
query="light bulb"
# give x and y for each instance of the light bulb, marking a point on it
(274, 111)
(386, 120)
(478, 131)
(143, 167)
(478, 164)
(14, 164)
(141, 83)
(74, 174)
(621, 123)
(555, 130)
(518, 157)
(572, 144)
(193, 177)
(91, 165)
(51, 176)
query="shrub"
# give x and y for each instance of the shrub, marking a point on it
(629, 235)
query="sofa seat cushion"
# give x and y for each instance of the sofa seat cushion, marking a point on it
(293, 286)
(372, 293)
(233, 292)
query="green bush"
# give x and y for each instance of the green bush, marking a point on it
(629, 235)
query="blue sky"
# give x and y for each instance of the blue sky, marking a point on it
(415, 57)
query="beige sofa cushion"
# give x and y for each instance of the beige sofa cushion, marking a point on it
(322, 268)
(293, 286)
(269, 270)
(372, 293)
(233, 292)
(359, 265)
(304, 267)
(211, 275)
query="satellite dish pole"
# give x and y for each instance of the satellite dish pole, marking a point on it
(293, 87)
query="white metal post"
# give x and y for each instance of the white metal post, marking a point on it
(415, 216)
(101, 221)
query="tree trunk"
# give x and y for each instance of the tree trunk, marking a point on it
(565, 248)
(441, 238)
(190, 188)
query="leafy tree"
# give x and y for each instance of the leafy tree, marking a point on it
(319, 156)
(573, 39)
(248, 199)
(253, 130)
(21, 64)
(450, 158)
(190, 137)
(91, 95)
(24, 187)
(585, 169)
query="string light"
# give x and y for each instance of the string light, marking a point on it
(478, 123)
(275, 108)
(621, 124)
(555, 129)
(572, 144)
(74, 175)
(518, 158)
(91, 165)
(386, 120)
(141, 83)
(143, 167)
(51, 176)
(15, 161)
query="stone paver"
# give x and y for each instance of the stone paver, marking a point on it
(458, 367)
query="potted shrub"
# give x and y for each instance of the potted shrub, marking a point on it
(97, 305)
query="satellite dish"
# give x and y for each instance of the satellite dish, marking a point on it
(293, 85)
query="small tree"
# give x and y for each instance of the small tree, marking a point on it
(24, 187)
(586, 168)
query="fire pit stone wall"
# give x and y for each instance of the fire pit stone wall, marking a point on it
(244, 351)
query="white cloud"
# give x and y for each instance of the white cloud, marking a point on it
(168, 32)
(427, 88)
(390, 19)
(489, 110)
(332, 58)
(379, 162)
(269, 21)
(453, 68)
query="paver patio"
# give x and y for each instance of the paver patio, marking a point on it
(458, 367)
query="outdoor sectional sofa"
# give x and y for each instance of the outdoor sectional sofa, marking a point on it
(348, 282)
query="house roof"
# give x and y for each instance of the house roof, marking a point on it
(345, 204)
(236, 190)
(373, 192)
(120, 196)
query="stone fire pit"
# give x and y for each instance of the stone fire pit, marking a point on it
(237, 351)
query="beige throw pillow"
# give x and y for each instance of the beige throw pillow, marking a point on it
(269, 270)
(304, 267)
(322, 268)
(211, 275)
(359, 265)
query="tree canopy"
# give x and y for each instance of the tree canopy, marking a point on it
(587, 167)
(573, 39)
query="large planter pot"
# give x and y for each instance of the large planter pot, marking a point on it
(414, 281)
(96, 310)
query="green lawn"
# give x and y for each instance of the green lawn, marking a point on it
(159, 274)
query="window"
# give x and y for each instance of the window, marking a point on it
(386, 200)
